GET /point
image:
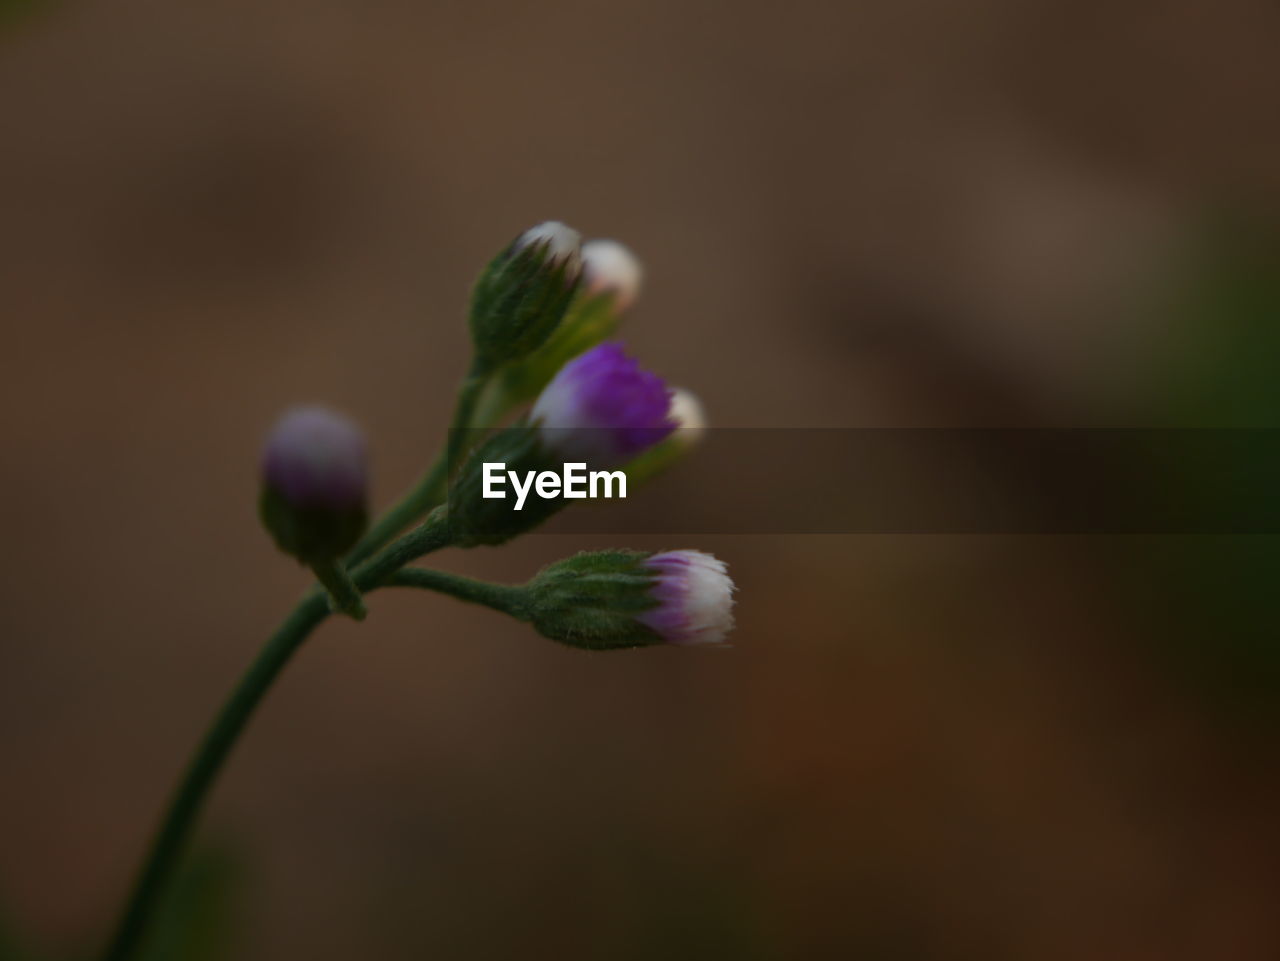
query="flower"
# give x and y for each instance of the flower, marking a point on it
(609, 600)
(315, 457)
(694, 595)
(609, 267)
(560, 242)
(603, 407)
(315, 479)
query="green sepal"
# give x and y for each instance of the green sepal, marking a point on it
(591, 601)
(517, 303)
(590, 320)
(312, 535)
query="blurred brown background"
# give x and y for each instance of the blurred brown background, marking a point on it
(851, 214)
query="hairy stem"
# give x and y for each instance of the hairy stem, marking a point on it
(203, 769)
(189, 797)
(506, 598)
(431, 535)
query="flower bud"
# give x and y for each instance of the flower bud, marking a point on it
(523, 294)
(603, 408)
(600, 410)
(688, 413)
(610, 268)
(314, 483)
(616, 599)
(610, 281)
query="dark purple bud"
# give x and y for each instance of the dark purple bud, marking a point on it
(315, 479)
(317, 458)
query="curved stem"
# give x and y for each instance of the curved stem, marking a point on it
(212, 753)
(209, 757)
(431, 535)
(463, 420)
(509, 599)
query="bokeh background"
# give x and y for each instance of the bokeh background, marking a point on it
(997, 213)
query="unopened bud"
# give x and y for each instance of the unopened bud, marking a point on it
(688, 413)
(617, 599)
(315, 477)
(610, 282)
(523, 294)
(610, 268)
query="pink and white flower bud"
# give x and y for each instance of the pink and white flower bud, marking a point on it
(695, 598)
(562, 243)
(609, 267)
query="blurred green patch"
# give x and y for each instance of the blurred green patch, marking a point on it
(1223, 301)
(200, 918)
(11, 11)
(9, 949)
(1214, 601)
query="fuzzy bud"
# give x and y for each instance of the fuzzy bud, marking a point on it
(607, 600)
(315, 477)
(610, 282)
(610, 268)
(523, 294)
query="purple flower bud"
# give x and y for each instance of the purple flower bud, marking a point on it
(609, 267)
(695, 598)
(603, 408)
(315, 459)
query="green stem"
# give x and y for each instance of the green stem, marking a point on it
(424, 495)
(431, 535)
(468, 397)
(187, 800)
(431, 487)
(209, 757)
(509, 599)
(344, 596)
